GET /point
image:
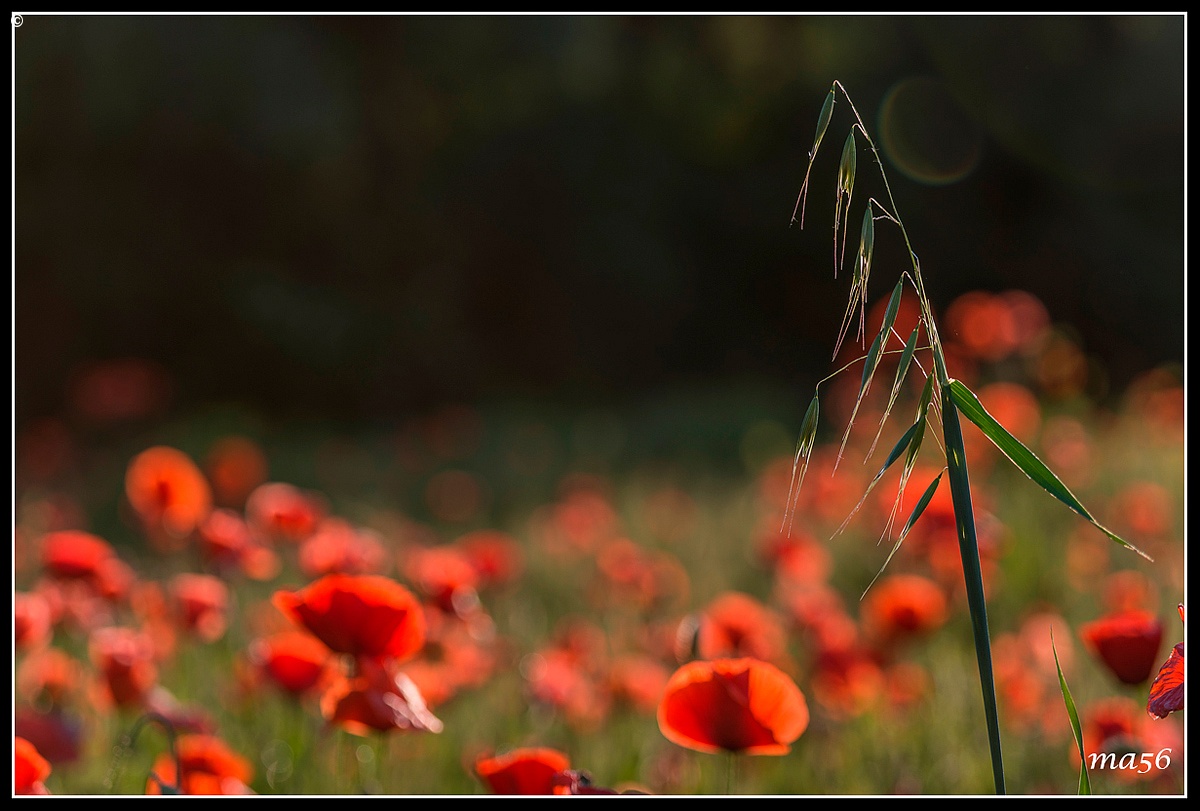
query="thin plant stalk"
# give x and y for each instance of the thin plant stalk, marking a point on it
(956, 464)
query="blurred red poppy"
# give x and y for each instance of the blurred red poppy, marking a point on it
(281, 511)
(528, 770)
(29, 768)
(201, 603)
(378, 699)
(168, 492)
(737, 625)
(1166, 691)
(208, 766)
(442, 573)
(902, 606)
(364, 615)
(227, 544)
(31, 620)
(1127, 643)
(294, 660)
(736, 705)
(496, 556)
(47, 677)
(337, 546)
(235, 465)
(75, 554)
(124, 658)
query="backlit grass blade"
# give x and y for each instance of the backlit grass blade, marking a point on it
(906, 356)
(847, 169)
(804, 447)
(913, 434)
(822, 125)
(1024, 459)
(1085, 783)
(922, 503)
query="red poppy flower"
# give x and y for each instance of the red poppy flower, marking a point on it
(226, 543)
(363, 615)
(1127, 643)
(125, 660)
(48, 677)
(294, 660)
(529, 770)
(441, 573)
(202, 603)
(168, 492)
(735, 705)
(29, 768)
(336, 546)
(496, 556)
(903, 606)
(1166, 691)
(379, 700)
(208, 766)
(235, 466)
(282, 511)
(737, 625)
(75, 554)
(31, 620)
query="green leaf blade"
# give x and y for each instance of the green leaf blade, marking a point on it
(968, 404)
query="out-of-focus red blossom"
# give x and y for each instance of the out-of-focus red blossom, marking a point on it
(1128, 590)
(1145, 510)
(208, 766)
(847, 682)
(183, 717)
(30, 769)
(906, 684)
(367, 616)
(578, 522)
(740, 705)
(337, 546)
(1126, 643)
(57, 734)
(75, 554)
(201, 605)
(1015, 407)
(496, 556)
(558, 678)
(48, 677)
(529, 770)
(735, 625)
(902, 606)
(1069, 450)
(235, 465)
(283, 512)
(638, 680)
(125, 661)
(32, 621)
(169, 493)
(227, 544)
(295, 661)
(795, 556)
(635, 577)
(378, 699)
(443, 573)
(1116, 726)
(1166, 691)
(1155, 400)
(983, 324)
(572, 782)
(460, 652)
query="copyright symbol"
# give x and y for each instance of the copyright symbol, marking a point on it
(17, 20)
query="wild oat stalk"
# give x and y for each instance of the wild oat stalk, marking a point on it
(942, 394)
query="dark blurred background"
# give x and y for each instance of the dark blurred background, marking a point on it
(358, 217)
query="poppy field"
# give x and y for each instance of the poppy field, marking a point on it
(498, 602)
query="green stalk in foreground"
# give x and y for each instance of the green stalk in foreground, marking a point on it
(944, 393)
